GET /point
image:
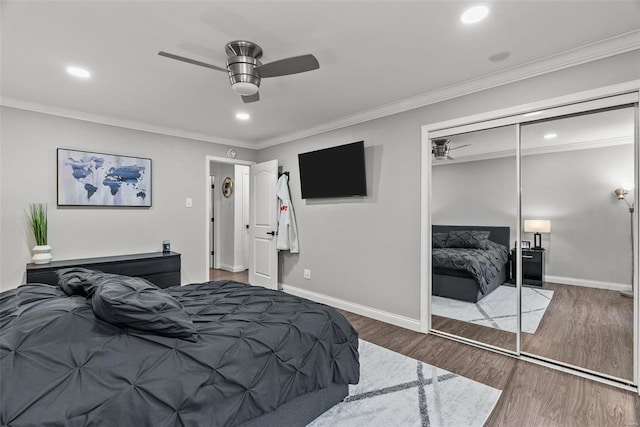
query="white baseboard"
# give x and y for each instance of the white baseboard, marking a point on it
(232, 268)
(622, 287)
(373, 313)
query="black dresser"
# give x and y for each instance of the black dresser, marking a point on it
(161, 269)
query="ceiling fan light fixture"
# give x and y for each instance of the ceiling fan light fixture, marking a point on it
(440, 149)
(244, 88)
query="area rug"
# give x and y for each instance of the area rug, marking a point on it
(395, 390)
(498, 309)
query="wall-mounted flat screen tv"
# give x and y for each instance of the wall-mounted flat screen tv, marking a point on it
(333, 172)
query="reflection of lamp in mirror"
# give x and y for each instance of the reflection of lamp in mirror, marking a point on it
(537, 226)
(621, 194)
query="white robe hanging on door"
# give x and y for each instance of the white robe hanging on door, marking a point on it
(287, 229)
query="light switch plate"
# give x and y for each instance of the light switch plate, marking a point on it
(189, 202)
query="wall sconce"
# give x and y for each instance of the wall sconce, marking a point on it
(537, 226)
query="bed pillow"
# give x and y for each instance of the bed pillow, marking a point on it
(439, 240)
(469, 239)
(136, 303)
(77, 281)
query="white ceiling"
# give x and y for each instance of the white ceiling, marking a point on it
(371, 54)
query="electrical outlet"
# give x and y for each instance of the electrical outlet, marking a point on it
(307, 274)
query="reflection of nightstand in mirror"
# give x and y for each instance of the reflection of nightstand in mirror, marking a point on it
(532, 267)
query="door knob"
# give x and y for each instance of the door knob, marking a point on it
(273, 233)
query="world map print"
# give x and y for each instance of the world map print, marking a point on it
(95, 179)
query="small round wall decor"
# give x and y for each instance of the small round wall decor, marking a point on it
(227, 187)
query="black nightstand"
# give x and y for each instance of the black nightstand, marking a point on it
(532, 267)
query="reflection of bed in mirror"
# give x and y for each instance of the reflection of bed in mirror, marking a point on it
(470, 270)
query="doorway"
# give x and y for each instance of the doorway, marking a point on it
(227, 211)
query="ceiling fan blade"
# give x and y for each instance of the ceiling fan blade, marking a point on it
(251, 98)
(455, 148)
(284, 67)
(191, 61)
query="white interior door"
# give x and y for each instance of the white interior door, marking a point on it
(263, 224)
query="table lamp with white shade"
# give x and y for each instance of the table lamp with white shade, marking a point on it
(537, 226)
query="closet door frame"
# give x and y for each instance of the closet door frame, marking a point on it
(609, 96)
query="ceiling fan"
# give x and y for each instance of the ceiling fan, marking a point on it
(246, 71)
(441, 148)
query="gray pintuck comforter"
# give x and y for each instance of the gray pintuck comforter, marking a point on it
(256, 349)
(481, 264)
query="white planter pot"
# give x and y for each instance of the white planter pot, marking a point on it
(41, 254)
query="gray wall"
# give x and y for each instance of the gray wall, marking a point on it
(28, 174)
(475, 193)
(590, 230)
(367, 250)
(590, 235)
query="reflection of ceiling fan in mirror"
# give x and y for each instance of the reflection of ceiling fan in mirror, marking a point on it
(441, 148)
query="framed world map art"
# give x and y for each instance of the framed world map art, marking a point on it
(97, 179)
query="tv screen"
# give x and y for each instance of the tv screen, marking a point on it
(333, 172)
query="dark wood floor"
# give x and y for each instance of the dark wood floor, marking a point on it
(585, 327)
(532, 395)
(485, 334)
(215, 274)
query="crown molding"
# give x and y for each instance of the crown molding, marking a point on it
(112, 121)
(623, 43)
(599, 50)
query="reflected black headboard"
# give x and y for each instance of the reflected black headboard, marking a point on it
(500, 235)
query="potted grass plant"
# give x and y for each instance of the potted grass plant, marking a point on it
(37, 218)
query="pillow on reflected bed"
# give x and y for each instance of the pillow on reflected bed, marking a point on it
(439, 240)
(138, 304)
(469, 239)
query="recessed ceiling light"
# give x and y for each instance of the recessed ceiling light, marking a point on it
(474, 14)
(243, 116)
(550, 135)
(79, 72)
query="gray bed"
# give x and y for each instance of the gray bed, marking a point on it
(109, 350)
(460, 284)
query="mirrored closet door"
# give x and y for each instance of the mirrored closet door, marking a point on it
(532, 234)
(474, 216)
(577, 260)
